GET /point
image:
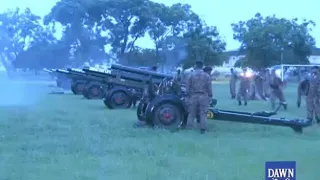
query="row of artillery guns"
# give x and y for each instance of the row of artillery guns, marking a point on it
(162, 98)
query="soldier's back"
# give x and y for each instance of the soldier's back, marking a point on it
(314, 87)
(199, 81)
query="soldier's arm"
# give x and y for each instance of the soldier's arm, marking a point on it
(209, 86)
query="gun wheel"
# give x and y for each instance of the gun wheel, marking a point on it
(167, 115)
(78, 88)
(93, 92)
(118, 99)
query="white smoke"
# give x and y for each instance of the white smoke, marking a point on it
(20, 92)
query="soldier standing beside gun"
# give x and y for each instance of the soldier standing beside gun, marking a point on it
(266, 83)
(303, 89)
(208, 70)
(276, 90)
(232, 83)
(199, 90)
(313, 96)
(243, 88)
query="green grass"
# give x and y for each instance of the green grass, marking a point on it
(65, 137)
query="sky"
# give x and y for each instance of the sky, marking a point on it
(220, 13)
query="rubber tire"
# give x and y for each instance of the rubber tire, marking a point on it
(153, 107)
(112, 92)
(74, 87)
(87, 93)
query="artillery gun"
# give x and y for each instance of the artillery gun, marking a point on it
(78, 80)
(122, 85)
(169, 110)
(62, 78)
(51, 72)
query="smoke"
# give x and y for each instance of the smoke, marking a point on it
(175, 52)
(20, 92)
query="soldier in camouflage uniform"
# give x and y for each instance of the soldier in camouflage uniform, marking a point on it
(199, 91)
(208, 70)
(266, 83)
(313, 96)
(276, 85)
(303, 89)
(232, 83)
(243, 88)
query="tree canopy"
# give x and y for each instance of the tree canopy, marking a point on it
(268, 41)
(99, 31)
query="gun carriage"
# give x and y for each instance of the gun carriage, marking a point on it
(123, 85)
(62, 78)
(79, 80)
(168, 109)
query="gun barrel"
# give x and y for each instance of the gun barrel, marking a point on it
(62, 71)
(76, 71)
(138, 71)
(48, 71)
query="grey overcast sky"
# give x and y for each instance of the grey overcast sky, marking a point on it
(220, 13)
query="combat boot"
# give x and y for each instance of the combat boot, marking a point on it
(202, 131)
(285, 106)
(245, 103)
(239, 103)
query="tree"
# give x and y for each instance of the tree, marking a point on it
(80, 30)
(268, 41)
(204, 44)
(142, 57)
(18, 29)
(169, 21)
(125, 21)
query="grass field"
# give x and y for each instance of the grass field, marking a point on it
(65, 137)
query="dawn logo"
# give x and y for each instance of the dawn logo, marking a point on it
(280, 170)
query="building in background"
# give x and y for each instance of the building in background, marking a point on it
(233, 57)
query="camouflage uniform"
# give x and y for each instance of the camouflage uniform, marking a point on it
(266, 84)
(232, 84)
(303, 89)
(276, 91)
(258, 81)
(199, 90)
(243, 89)
(313, 98)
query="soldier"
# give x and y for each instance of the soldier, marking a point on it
(199, 90)
(266, 83)
(243, 88)
(207, 70)
(313, 96)
(232, 83)
(134, 97)
(276, 85)
(258, 81)
(303, 89)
